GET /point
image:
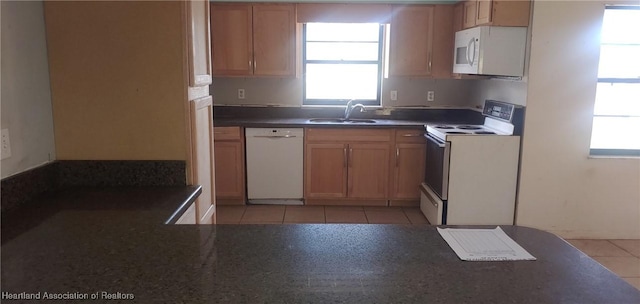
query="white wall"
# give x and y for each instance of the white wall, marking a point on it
(562, 190)
(25, 90)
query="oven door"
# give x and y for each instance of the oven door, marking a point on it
(436, 174)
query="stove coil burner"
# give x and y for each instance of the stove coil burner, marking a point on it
(456, 132)
(484, 132)
(443, 127)
(469, 127)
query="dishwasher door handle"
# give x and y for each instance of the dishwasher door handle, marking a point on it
(274, 136)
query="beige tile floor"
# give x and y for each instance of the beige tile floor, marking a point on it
(263, 214)
(620, 256)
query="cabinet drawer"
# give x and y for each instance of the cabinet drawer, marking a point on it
(348, 135)
(227, 133)
(410, 136)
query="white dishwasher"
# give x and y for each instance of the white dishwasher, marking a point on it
(274, 165)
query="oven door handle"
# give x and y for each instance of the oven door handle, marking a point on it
(435, 140)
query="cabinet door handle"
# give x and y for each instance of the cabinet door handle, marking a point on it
(350, 157)
(344, 158)
(412, 135)
(430, 64)
(397, 156)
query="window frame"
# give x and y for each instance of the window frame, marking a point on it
(613, 81)
(342, 102)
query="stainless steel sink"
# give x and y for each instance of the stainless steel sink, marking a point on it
(341, 120)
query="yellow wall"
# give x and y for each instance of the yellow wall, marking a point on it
(117, 79)
(562, 189)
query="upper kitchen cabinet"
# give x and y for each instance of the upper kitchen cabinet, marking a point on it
(421, 40)
(274, 39)
(458, 13)
(199, 48)
(253, 40)
(411, 37)
(232, 39)
(495, 12)
(199, 44)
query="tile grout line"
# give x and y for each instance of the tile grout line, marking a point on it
(408, 218)
(625, 250)
(244, 210)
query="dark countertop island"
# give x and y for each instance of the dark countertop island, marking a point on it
(114, 244)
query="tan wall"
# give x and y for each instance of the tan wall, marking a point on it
(26, 97)
(288, 91)
(117, 79)
(562, 189)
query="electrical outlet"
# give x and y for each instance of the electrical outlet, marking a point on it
(431, 96)
(394, 95)
(6, 144)
(240, 93)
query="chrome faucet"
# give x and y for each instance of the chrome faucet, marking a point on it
(350, 108)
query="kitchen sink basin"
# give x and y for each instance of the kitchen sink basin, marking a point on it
(340, 120)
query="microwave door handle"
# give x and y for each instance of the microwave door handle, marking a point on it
(469, 59)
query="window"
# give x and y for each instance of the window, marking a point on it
(342, 61)
(616, 120)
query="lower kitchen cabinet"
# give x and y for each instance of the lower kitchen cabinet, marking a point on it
(349, 166)
(368, 170)
(325, 170)
(408, 170)
(229, 165)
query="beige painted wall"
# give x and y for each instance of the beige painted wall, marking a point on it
(562, 189)
(288, 91)
(117, 79)
(26, 97)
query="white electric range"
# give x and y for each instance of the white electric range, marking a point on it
(471, 171)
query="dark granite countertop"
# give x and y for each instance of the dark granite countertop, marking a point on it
(117, 243)
(282, 117)
(305, 123)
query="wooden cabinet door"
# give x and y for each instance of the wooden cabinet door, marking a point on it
(229, 164)
(199, 43)
(458, 16)
(443, 42)
(408, 171)
(469, 14)
(411, 40)
(368, 170)
(483, 11)
(325, 170)
(274, 39)
(231, 39)
(202, 158)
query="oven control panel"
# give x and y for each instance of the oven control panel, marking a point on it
(498, 110)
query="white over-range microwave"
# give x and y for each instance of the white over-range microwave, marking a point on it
(490, 50)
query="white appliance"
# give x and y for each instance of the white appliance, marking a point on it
(490, 50)
(471, 171)
(274, 165)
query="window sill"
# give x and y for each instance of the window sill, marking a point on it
(614, 153)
